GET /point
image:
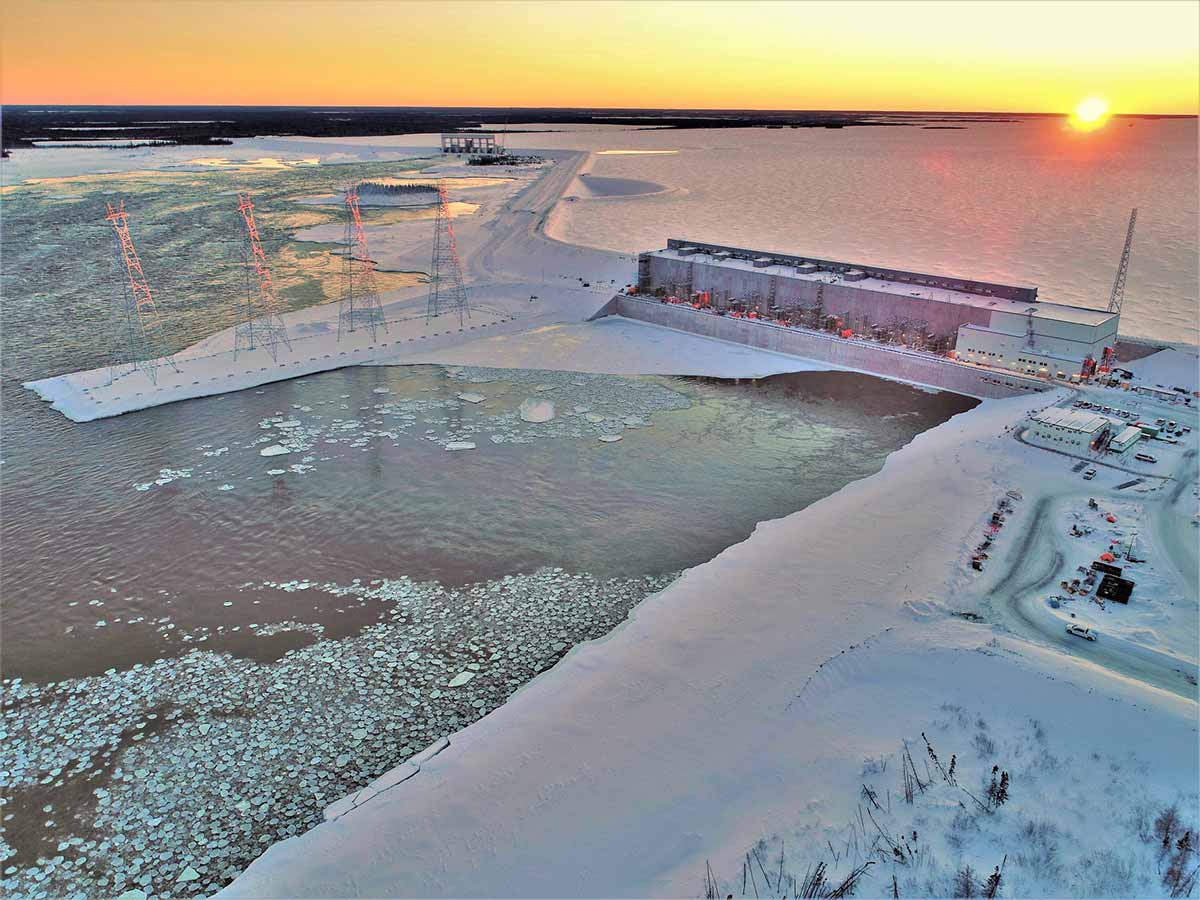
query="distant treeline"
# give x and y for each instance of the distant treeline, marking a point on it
(375, 187)
(218, 124)
(505, 160)
(74, 143)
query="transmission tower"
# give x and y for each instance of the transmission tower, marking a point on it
(1117, 297)
(261, 326)
(360, 302)
(135, 321)
(446, 286)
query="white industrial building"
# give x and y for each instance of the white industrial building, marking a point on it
(1128, 437)
(1159, 394)
(1067, 429)
(1047, 339)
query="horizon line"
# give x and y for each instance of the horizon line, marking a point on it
(612, 109)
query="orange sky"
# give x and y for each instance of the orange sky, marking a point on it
(1034, 57)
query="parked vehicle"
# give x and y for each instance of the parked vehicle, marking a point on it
(1145, 457)
(1089, 474)
(1079, 631)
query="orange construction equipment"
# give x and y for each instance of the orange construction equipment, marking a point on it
(1107, 557)
(847, 333)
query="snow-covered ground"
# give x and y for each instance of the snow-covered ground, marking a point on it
(1162, 612)
(1176, 366)
(621, 347)
(756, 695)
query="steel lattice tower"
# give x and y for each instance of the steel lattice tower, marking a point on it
(136, 324)
(261, 325)
(446, 286)
(1117, 297)
(360, 301)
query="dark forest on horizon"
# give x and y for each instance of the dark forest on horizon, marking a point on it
(201, 125)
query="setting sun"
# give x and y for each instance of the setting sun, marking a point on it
(1090, 114)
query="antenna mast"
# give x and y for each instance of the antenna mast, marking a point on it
(1117, 297)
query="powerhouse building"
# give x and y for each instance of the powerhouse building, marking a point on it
(999, 325)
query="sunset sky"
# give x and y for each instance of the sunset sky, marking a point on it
(1036, 57)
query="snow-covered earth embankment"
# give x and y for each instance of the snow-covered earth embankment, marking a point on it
(740, 703)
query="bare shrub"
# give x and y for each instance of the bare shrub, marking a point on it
(1107, 874)
(963, 828)
(985, 747)
(1038, 850)
(965, 883)
(1165, 826)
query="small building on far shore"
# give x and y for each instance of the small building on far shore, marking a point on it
(476, 143)
(1068, 429)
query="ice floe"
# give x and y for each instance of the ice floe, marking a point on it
(537, 410)
(195, 764)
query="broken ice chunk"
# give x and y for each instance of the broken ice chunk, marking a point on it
(537, 410)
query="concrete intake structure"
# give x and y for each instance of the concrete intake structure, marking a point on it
(1002, 326)
(898, 364)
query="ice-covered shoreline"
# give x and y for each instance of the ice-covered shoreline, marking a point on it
(520, 281)
(715, 714)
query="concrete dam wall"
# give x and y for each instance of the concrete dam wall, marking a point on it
(853, 299)
(878, 359)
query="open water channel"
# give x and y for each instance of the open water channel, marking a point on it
(205, 644)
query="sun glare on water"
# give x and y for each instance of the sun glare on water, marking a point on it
(1090, 114)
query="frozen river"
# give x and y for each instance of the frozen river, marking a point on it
(222, 615)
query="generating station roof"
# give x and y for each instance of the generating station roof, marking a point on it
(1071, 419)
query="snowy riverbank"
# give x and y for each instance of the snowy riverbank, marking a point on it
(716, 717)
